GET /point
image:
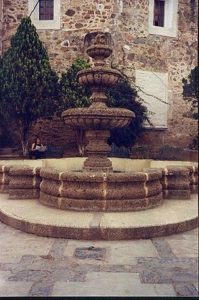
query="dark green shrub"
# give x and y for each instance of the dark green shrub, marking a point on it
(28, 85)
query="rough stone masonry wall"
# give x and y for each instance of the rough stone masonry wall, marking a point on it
(1, 25)
(55, 133)
(134, 48)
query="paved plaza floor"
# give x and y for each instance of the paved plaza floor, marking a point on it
(41, 266)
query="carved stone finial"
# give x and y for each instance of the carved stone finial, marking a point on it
(100, 39)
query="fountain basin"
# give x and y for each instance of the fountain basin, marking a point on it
(99, 51)
(95, 77)
(134, 184)
(97, 118)
(5, 172)
(100, 191)
(30, 215)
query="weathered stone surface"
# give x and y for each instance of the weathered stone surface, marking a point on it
(193, 177)
(177, 194)
(100, 191)
(50, 187)
(70, 12)
(100, 205)
(30, 216)
(24, 182)
(50, 173)
(114, 284)
(162, 247)
(89, 253)
(21, 193)
(185, 290)
(176, 182)
(35, 266)
(24, 170)
(4, 177)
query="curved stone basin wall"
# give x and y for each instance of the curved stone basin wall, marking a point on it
(24, 182)
(62, 186)
(174, 178)
(6, 176)
(101, 191)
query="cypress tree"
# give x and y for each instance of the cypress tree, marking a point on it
(191, 92)
(191, 95)
(28, 85)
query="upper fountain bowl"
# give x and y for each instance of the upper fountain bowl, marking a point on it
(99, 51)
(98, 46)
(103, 77)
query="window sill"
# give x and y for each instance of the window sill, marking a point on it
(170, 32)
(48, 24)
(158, 128)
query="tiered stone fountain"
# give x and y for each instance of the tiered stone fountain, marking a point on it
(98, 186)
(97, 197)
(98, 119)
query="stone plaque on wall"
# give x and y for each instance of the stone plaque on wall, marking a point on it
(154, 86)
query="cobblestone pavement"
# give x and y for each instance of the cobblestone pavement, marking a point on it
(38, 266)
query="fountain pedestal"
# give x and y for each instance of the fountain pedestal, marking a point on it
(98, 119)
(97, 150)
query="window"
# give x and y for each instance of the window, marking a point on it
(159, 9)
(46, 14)
(163, 17)
(153, 86)
(46, 9)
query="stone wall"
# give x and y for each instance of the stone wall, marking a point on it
(1, 25)
(134, 48)
(53, 132)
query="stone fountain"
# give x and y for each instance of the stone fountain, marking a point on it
(97, 197)
(98, 119)
(97, 186)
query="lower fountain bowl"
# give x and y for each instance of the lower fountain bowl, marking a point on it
(97, 118)
(100, 191)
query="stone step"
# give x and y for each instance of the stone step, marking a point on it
(173, 216)
(6, 151)
(10, 156)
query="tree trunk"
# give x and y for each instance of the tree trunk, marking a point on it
(24, 134)
(24, 144)
(80, 141)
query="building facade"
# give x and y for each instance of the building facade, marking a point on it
(155, 45)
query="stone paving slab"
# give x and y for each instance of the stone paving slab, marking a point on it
(112, 284)
(4, 275)
(116, 252)
(15, 289)
(20, 244)
(35, 266)
(186, 247)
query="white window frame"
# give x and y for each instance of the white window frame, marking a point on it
(148, 93)
(45, 24)
(170, 19)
